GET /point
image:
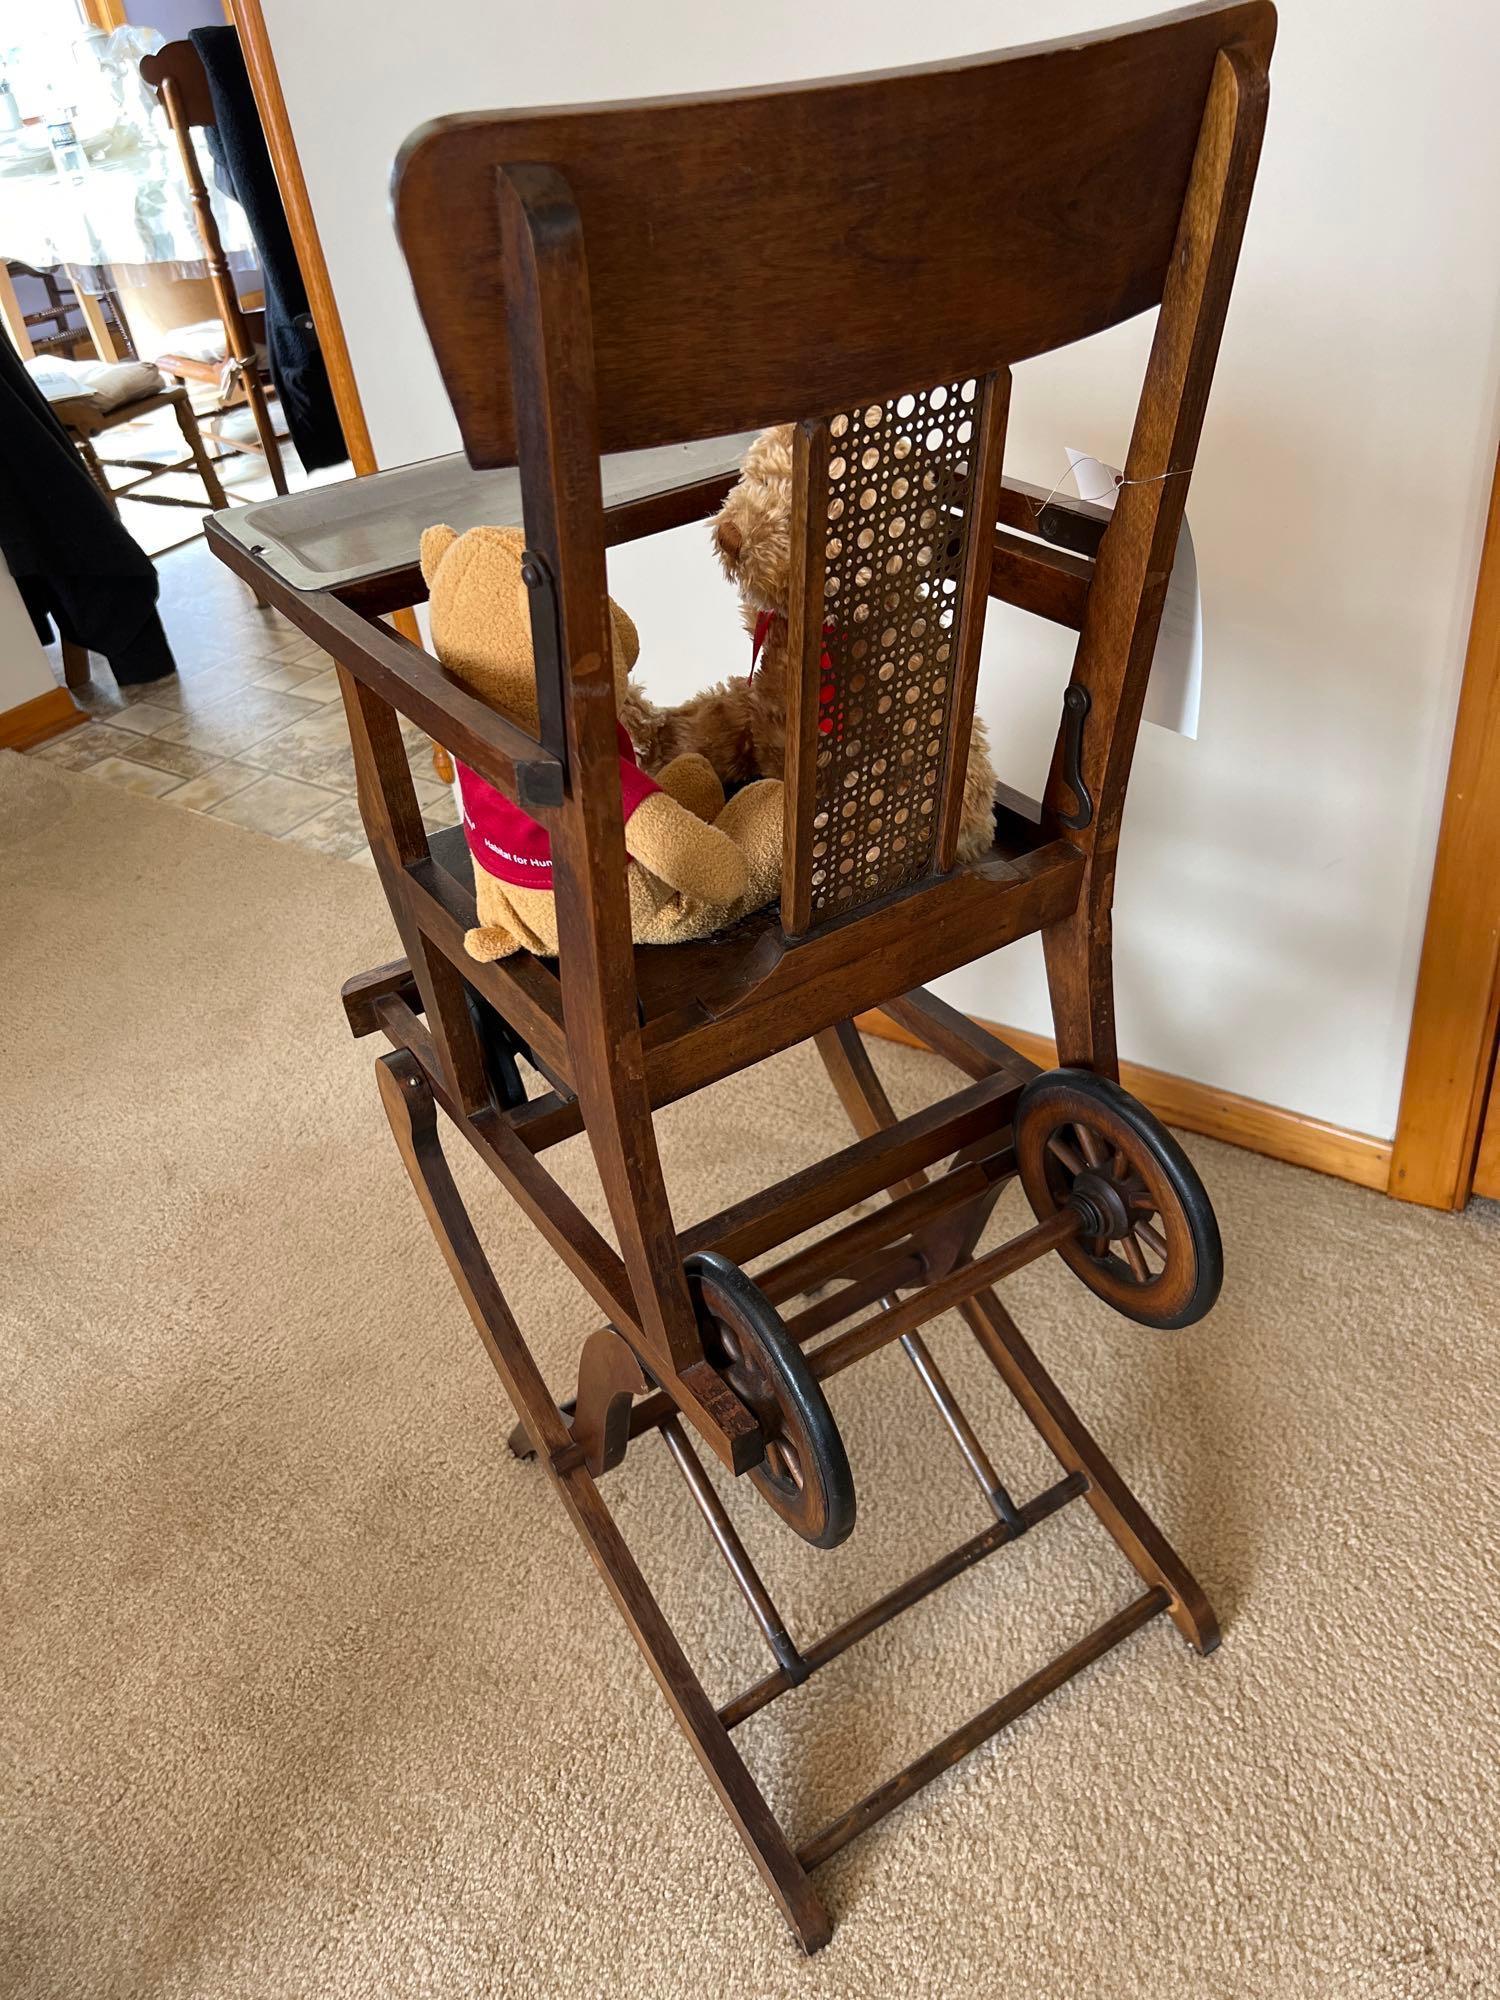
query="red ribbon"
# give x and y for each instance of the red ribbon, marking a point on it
(764, 621)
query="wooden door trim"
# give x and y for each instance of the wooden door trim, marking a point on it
(38, 720)
(1292, 1136)
(1451, 1050)
(265, 81)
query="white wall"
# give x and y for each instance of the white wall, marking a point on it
(1274, 874)
(24, 672)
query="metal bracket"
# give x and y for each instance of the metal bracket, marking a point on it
(1076, 705)
(547, 650)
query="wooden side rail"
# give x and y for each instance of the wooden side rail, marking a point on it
(1049, 583)
(1078, 525)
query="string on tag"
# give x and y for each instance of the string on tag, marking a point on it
(1039, 507)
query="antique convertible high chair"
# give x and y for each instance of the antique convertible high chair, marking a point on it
(875, 251)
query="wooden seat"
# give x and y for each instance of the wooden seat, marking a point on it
(94, 409)
(576, 271)
(238, 370)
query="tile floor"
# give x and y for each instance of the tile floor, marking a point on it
(251, 730)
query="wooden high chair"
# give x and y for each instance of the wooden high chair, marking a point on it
(882, 247)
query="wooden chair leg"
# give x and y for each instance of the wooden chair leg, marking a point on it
(187, 423)
(1142, 1543)
(1080, 977)
(96, 471)
(1128, 1523)
(255, 396)
(75, 661)
(412, 1111)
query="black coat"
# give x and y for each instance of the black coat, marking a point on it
(76, 567)
(238, 145)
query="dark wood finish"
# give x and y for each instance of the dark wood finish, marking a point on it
(1071, 1444)
(406, 678)
(762, 1221)
(411, 1111)
(609, 1380)
(175, 72)
(946, 218)
(928, 227)
(883, 1327)
(546, 290)
(951, 1034)
(1048, 582)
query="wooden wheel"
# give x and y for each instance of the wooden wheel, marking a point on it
(805, 1476)
(1150, 1245)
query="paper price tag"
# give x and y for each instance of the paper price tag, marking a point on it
(1176, 684)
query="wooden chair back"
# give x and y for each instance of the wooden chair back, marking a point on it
(617, 276)
(870, 255)
(176, 73)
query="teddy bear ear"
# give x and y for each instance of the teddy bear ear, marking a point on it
(436, 542)
(626, 636)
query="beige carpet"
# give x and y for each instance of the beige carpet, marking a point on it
(307, 1688)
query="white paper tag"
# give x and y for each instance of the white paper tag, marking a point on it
(1176, 684)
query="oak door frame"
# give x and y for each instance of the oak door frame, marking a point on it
(1451, 1052)
(265, 81)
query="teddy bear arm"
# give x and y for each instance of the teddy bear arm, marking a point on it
(683, 852)
(715, 724)
(692, 781)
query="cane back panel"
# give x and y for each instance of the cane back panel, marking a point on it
(895, 504)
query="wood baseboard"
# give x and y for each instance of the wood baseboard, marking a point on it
(1217, 1114)
(32, 722)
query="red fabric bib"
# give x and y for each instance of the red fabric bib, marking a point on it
(764, 623)
(508, 843)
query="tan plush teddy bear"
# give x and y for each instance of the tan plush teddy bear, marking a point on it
(740, 725)
(695, 864)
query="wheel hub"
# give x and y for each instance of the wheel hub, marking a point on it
(1101, 1204)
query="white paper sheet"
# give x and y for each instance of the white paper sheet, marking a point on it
(1176, 685)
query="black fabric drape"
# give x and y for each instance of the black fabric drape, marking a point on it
(76, 567)
(244, 161)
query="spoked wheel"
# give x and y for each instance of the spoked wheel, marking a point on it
(1150, 1243)
(805, 1476)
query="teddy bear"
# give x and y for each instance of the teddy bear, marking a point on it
(694, 864)
(740, 725)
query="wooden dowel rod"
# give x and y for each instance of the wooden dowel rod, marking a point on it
(826, 1259)
(961, 1284)
(894, 1274)
(989, 1722)
(866, 1167)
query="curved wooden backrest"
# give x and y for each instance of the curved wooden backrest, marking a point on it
(180, 63)
(754, 255)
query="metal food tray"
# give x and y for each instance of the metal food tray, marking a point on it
(330, 536)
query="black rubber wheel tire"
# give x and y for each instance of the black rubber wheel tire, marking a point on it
(805, 1476)
(1144, 1169)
